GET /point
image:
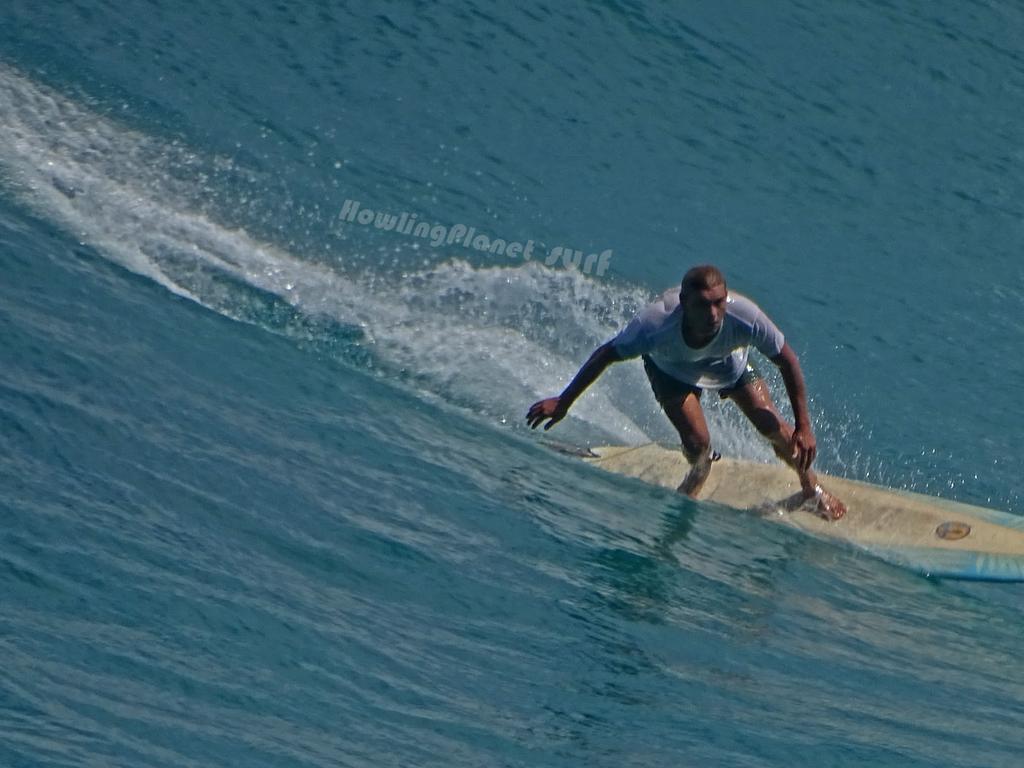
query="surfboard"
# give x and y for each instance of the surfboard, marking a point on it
(936, 537)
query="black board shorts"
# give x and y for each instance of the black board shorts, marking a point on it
(668, 388)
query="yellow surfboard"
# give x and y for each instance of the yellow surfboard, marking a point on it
(939, 538)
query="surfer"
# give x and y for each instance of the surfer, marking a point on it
(697, 338)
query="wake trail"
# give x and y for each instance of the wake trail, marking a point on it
(480, 337)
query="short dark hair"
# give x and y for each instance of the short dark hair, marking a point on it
(700, 278)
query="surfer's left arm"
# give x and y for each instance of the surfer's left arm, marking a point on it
(554, 409)
(804, 444)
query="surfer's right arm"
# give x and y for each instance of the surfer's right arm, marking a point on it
(553, 409)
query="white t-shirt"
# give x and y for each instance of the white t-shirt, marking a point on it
(656, 332)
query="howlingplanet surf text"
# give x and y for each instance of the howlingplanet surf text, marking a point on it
(405, 223)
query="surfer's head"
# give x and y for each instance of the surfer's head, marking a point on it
(700, 278)
(703, 294)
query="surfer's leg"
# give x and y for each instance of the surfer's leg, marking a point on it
(681, 403)
(754, 399)
(756, 402)
(687, 417)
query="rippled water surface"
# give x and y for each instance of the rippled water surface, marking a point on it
(267, 498)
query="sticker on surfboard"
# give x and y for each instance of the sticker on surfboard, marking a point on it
(952, 530)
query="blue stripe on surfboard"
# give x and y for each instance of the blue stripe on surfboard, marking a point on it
(954, 564)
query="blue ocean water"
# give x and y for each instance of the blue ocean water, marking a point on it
(267, 495)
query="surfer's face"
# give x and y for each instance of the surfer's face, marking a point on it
(704, 310)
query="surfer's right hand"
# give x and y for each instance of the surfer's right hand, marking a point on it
(550, 409)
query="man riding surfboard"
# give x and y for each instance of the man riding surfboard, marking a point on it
(698, 338)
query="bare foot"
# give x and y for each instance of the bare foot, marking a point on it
(826, 504)
(700, 468)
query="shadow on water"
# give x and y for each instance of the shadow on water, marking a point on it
(698, 540)
(641, 583)
(688, 589)
(676, 525)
